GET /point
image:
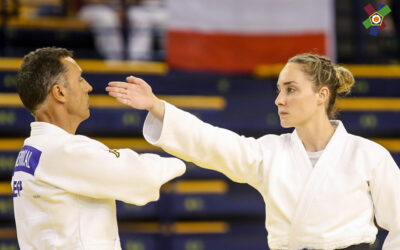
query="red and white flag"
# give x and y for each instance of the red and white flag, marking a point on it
(239, 35)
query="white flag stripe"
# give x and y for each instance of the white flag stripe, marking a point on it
(251, 16)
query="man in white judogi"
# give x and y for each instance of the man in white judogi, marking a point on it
(65, 185)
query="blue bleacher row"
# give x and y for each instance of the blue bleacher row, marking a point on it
(246, 241)
(231, 235)
(235, 201)
(174, 205)
(7, 161)
(240, 237)
(238, 116)
(184, 83)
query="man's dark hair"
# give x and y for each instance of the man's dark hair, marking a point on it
(40, 70)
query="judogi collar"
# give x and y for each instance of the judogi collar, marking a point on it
(42, 128)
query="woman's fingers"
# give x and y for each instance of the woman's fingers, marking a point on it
(135, 92)
(123, 100)
(133, 80)
(114, 94)
(119, 84)
(116, 90)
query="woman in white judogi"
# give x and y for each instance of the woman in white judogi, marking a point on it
(322, 186)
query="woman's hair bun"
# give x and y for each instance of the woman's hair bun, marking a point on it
(345, 79)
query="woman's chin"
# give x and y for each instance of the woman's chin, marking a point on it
(285, 124)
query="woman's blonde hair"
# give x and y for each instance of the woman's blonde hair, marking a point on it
(323, 72)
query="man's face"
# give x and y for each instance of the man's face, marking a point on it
(77, 90)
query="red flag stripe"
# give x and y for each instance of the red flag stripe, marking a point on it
(237, 52)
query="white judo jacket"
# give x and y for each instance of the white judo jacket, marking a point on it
(65, 187)
(328, 206)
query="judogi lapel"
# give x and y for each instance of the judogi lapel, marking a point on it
(324, 166)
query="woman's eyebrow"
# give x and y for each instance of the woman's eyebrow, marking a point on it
(287, 83)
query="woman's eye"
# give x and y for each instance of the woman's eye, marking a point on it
(290, 90)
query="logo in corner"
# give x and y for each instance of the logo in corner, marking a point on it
(114, 151)
(375, 20)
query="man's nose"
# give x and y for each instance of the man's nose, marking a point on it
(89, 87)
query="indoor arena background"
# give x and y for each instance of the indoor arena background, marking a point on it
(218, 59)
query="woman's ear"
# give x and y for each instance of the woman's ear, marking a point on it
(323, 95)
(59, 92)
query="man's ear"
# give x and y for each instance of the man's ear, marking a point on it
(59, 93)
(323, 95)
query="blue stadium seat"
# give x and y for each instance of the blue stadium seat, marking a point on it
(237, 201)
(6, 207)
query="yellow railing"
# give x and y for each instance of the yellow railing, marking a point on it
(105, 101)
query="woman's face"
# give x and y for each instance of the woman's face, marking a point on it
(297, 102)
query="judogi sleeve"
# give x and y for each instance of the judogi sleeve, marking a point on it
(87, 167)
(385, 190)
(185, 136)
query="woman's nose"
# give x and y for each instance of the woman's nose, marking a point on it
(279, 99)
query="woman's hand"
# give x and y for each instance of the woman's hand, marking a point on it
(137, 94)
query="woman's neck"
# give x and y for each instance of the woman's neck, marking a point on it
(315, 135)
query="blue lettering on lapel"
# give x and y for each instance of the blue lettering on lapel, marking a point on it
(17, 188)
(27, 160)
